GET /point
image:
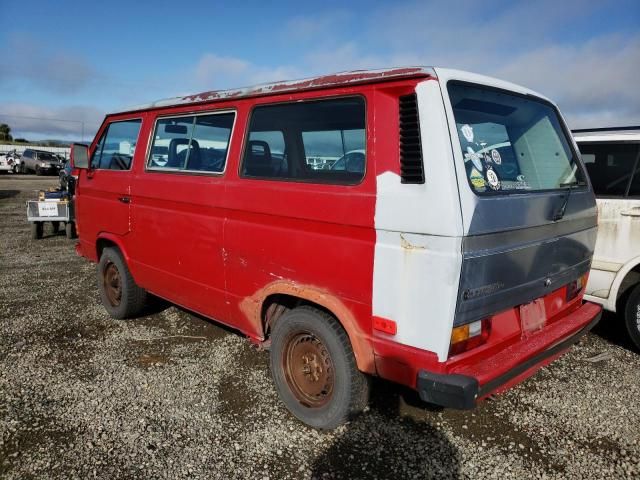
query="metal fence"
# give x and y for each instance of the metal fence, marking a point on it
(5, 147)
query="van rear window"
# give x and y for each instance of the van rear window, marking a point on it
(320, 141)
(510, 142)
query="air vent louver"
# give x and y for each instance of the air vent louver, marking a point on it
(411, 166)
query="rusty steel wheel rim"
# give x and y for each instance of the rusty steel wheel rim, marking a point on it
(112, 284)
(308, 369)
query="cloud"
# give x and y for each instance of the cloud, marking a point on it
(213, 72)
(51, 71)
(65, 123)
(321, 27)
(591, 81)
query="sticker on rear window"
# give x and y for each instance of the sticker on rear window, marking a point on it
(474, 157)
(492, 179)
(467, 131)
(495, 156)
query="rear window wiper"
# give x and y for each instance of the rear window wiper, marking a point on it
(559, 213)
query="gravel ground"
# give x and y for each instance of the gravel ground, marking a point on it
(172, 395)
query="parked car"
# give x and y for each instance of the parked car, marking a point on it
(40, 162)
(5, 166)
(432, 264)
(10, 161)
(612, 158)
(352, 161)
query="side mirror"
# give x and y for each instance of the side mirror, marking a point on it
(79, 155)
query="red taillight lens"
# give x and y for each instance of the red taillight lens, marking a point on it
(471, 335)
(575, 287)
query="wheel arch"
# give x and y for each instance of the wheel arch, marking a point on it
(626, 277)
(265, 307)
(105, 240)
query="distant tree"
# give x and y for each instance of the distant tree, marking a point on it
(5, 132)
(21, 140)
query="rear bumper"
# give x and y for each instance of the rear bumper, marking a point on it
(462, 388)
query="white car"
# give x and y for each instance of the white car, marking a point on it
(5, 166)
(612, 159)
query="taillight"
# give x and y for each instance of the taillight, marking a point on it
(574, 288)
(471, 335)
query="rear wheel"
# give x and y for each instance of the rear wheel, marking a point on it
(632, 316)
(36, 230)
(314, 369)
(120, 294)
(70, 230)
(55, 226)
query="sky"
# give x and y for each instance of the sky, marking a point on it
(65, 64)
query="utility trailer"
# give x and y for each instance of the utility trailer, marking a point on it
(55, 207)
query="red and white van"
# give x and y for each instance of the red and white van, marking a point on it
(428, 226)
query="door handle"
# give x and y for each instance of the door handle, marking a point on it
(632, 212)
(124, 199)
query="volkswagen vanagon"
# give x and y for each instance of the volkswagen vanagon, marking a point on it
(450, 255)
(612, 159)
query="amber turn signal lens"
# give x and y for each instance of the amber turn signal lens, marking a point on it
(471, 335)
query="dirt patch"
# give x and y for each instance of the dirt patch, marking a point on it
(234, 396)
(147, 360)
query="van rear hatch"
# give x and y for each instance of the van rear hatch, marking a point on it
(528, 210)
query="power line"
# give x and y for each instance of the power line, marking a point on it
(81, 122)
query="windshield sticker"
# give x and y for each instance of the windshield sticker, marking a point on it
(477, 180)
(492, 179)
(474, 157)
(495, 156)
(467, 131)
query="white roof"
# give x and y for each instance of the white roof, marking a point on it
(613, 134)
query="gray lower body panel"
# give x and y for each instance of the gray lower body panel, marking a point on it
(499, 272)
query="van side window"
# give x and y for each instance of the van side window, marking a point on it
(321, 141)
(116, 146)
(196, 143)
(610, 167)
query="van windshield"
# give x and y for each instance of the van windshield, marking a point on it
(511, 142)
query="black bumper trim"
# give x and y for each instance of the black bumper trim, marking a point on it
(461, 391)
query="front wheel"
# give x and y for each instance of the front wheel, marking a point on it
(120, 294)
(632, 316)
(314, 369)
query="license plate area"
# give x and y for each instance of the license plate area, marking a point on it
(533, 317)
(47, 209)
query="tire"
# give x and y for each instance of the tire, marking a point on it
(632, 316)
(321, 397)
(16, 169)
(36, 230)
(70, 230)
(23, 169)
(120, 295)
(55, 226)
